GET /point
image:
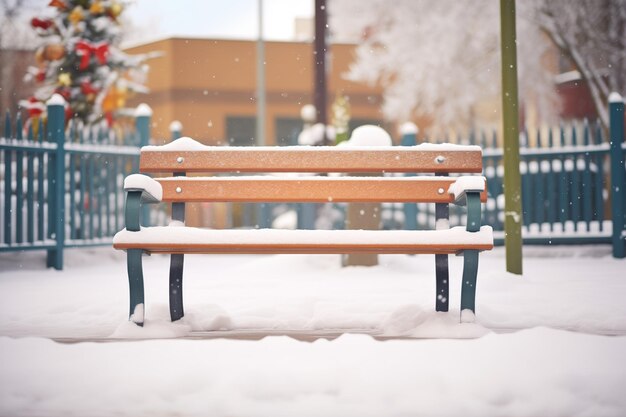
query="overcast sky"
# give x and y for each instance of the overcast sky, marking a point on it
(216, 18)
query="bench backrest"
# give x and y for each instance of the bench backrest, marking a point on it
(185, 156)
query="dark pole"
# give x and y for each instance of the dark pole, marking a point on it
(319, 57)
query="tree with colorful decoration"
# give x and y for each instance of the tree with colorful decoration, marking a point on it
(79, 59)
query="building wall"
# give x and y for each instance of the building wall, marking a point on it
(13, 66)
(203, 82)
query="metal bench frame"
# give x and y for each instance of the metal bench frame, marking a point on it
(186, 156)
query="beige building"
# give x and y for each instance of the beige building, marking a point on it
(209, 85)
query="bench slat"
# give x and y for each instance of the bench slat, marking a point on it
(206, 241)
(467, 159)
(308, 189)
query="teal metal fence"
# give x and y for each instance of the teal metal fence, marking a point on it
(62, 186)
(573, 180)
(573, 183)
(564, 187)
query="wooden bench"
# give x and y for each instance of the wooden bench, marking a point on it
(185, 156)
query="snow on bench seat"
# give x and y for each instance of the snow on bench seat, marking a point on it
(170, 239)
(188, 144)
(187, 155)
(140, 182)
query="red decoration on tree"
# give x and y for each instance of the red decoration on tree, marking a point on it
(69, 113)
(58, 4)
(87, 88)
(44, 24)
(40, 76)
(85, 49)
(64, 92)
(109, 118)
(33, 106)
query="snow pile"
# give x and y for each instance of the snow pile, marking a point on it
(140, 182)
(137, 315)
(615, 97)
(369, 135)
(314, 135)
(176, 126)
(181, 144)
(527, 374)
(467, 183)
(287, 220)
(308, 113)
(410, 320)
(143, 110)
(56, 100)
(408, 128)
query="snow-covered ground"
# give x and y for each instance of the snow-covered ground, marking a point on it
(549, 343)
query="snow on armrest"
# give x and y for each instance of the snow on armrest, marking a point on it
(464, 184)
(152, 190)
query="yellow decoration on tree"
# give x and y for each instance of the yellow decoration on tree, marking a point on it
(96, 8)
(115, 99)
(34, 122)
(39, 59)
(77, 15)
(341, 117)
(108, 104)
(53, 52)
(65, 79)
(115, 10)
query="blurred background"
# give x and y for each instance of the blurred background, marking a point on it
(307, 72)
(434, 64)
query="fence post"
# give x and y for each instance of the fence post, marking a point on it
(56, 185)
(616, 135)
(143, 114)
(176, 129)
(8, 183)
(409, 131)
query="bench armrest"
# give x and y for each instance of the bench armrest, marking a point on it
(140, 189)
(466, 192)
(151, 191)
(465, 184)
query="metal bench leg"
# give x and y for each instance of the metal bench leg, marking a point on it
(176, 287)
(468, 288)
(442, 214)
(442, 275)
(135, 284)
(176, 268)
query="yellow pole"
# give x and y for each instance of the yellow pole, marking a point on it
(510, 118)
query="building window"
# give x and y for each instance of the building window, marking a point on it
(287, 130)
(241, 130)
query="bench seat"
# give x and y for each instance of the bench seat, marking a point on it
(173, 239)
